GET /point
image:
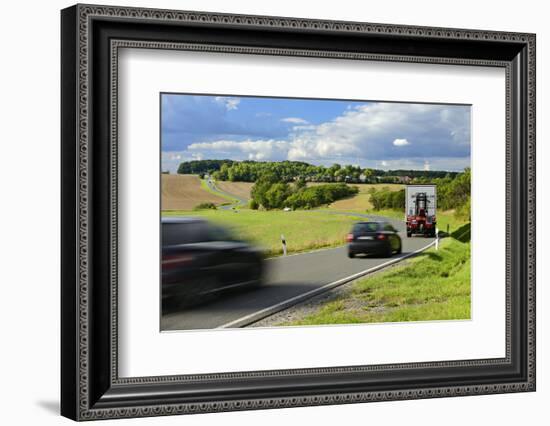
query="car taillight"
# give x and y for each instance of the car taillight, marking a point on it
(176, 260)
(349, 238)
(380, 237)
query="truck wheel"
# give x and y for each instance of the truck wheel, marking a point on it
(351, 255)
(409, 234)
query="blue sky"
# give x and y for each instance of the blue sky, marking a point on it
(380, 135)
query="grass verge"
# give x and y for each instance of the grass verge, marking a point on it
(435, 285)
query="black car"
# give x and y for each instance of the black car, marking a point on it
(378, 238)
(201, 259)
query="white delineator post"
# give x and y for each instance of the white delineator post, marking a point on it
(436, 238)
(283, 242)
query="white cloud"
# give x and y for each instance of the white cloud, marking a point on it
(364, 130)
(427, 165)
(418, 163)
(170, 160)
(400, 142)
(361, 134)
(229, 103)
(174, 156)
(249, 149)
(294, 120)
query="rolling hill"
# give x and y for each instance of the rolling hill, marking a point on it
(183, 192)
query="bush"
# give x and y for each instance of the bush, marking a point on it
(398, 199)
(386, 199)
(205, 206)
(463, 212)
(253, 204)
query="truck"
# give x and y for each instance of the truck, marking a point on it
(420, 210)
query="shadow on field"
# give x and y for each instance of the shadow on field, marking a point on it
(433, 256)
(462, 234)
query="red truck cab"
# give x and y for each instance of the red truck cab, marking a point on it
(420, 210)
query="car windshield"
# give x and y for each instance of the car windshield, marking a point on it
(365, 227)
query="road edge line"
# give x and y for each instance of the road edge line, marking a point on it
(264, 313)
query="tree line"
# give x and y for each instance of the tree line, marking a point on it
(200, 167)
(288, 171)
(270, 193)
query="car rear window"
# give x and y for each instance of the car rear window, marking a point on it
(365, 227)
(389, 227)
(217, 233)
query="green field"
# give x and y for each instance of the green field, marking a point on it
(435, 285)
(303, 230)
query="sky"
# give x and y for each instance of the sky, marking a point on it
(381, 135)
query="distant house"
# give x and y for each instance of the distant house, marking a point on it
(404, 179)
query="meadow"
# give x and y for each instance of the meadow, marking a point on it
(265, 228)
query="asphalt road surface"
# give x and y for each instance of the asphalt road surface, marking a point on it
(289, 280)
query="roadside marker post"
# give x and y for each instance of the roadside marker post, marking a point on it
(436, 238)
(283, 241)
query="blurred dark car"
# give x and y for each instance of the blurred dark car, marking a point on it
(378, 238)
(201, 259)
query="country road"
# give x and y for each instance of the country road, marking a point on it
(238, 200)
(289, 280)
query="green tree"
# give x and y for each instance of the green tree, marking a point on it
(260, 188)
(299, 184)
(276, 195)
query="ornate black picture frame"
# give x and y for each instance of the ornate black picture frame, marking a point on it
(91, 37)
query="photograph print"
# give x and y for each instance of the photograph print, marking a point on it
(312, 212)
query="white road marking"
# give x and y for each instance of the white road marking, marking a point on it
(256, 316)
